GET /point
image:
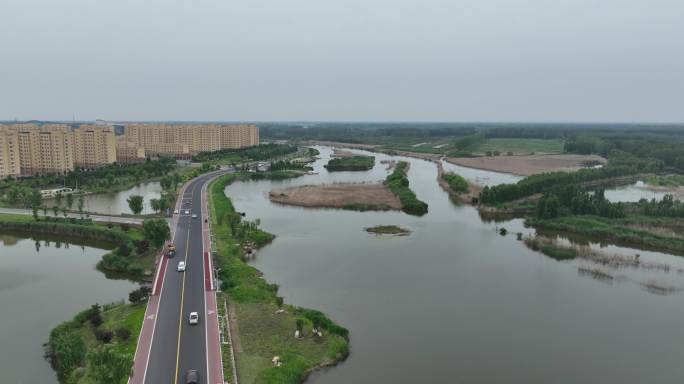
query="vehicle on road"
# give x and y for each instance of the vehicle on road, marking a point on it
(192, 377)
(187, 212)
(170, 250)
(181, 266)
(175, 212)
(194, 215)
(194, 318)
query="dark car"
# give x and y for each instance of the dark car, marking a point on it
(192, 377)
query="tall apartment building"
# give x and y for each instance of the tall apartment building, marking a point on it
(9, 153)
(128, 152)
(94, 146)
(45, 149)
(187, 139)
(29, 149)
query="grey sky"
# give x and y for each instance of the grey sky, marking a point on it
(416, 60)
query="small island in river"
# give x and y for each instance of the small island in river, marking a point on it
(388, 230)
(360, 197)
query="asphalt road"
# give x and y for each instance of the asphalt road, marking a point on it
(178, 346)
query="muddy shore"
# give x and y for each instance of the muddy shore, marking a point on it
(347, 196)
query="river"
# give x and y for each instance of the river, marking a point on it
(455, 301)
(44, 282)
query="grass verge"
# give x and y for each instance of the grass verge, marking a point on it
(263, 326)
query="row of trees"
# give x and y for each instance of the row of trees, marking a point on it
(136, 203)
(257, 153)
(97, 178)
(573, 200)
(619, 165)
(398, 183)
(668, 207)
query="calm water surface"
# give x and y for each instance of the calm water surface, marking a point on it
(43, 283)
(115, 202)
(455, 302)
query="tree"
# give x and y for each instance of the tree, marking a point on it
(55, 210)
(70, 200)
(58, 198)
(44, 211)
(139, 294)
(34, 199)
(300, 325)
(35, 213)
(81, 204)
(156, 231)
(135, 203)
(65, 211)
(156, 205)
(166, 182)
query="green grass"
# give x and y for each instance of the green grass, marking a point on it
(387, 230)
(603, 229)
(80, 358)
(352, 163)
(666, 181)
(520, 146)
(456, 182)
(262, 334)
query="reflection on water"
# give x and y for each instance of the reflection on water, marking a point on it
(455, 301)
(633, 193)
(115, 203)
(43, 282)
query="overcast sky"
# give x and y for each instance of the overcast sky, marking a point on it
(349, 60)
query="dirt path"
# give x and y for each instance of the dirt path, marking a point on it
(528, 165)
(369, 196)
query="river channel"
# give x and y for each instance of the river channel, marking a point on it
(455, 302)
(43, 282)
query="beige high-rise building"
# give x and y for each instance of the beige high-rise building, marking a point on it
(45, 149)
(127, 152)
(9, 153)
(188, 139)
(94, 146)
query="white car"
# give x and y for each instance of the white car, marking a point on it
(194, 215)
(175, 212)
(194, 318)
(187, 212)
(181, 266)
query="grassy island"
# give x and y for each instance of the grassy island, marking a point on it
(351, 163)
(398, 183)
(388, 230)
(98, 344)
(456, 182)
(262, 325)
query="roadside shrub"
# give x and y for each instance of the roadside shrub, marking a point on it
(139, 294)
(123, 334)
(103, 335)
(96, 319)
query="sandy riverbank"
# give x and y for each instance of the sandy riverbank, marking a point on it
(350, 196)
(528, 165)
